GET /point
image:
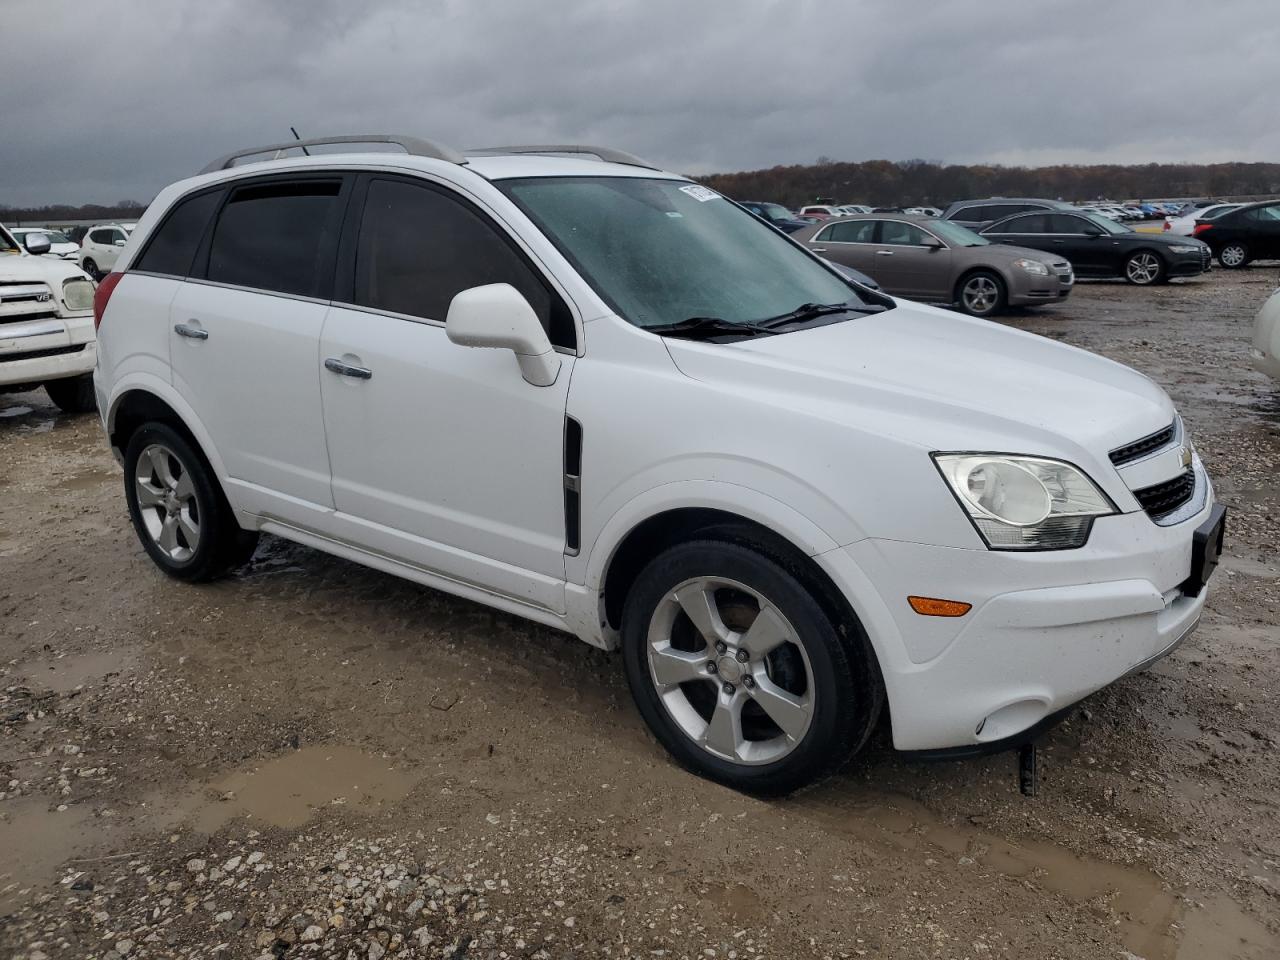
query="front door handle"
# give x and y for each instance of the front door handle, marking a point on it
(884, 253)
(191, 332)
(342, 368)
(818, 249)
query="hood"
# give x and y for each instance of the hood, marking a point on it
(943, 381)
(36, 269)
(1009, 253)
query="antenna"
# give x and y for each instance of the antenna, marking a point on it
(294, 131)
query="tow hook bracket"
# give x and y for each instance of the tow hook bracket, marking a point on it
(1027, 780)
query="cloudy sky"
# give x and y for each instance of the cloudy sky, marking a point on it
(104, 102)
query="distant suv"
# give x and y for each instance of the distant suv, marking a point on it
(566, 384)
(976, 214)
(46, 324)
(775, 214)
(101, 246)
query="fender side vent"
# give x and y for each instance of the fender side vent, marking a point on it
(572, 485)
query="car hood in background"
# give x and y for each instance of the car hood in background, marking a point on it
(37, 269)
(943, 381)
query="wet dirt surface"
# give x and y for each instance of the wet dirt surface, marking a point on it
(315, 759)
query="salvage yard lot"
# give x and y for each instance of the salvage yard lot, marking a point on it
(312, 757)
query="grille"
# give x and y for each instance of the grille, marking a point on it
(27, 317)
(1140, 448)
(34, 354)
(1164, 498)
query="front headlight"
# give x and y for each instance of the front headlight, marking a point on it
(77, 294)
(1024, 503)
(1034, 267)
(1184, 248)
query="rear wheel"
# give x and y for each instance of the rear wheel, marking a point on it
(981, 294)
(1233, 256)
(1144, 268)
(73, 394)
(739, 671)
(179, 513)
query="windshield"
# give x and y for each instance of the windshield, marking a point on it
(663, 251)
(957, 235)
(1106, 224)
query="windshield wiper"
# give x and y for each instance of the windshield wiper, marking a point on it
(811, 311)
(698, 328)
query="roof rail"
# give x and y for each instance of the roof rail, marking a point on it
(607, 154)
(414, 146)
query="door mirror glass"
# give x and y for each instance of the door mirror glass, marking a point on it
(1092, 231)
(37, 244)
(498, 315)
(932, 243)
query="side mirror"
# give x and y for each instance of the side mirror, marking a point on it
(1092, 231)
(37, 244)
(119, 243)
(498, 315)
(932, 244)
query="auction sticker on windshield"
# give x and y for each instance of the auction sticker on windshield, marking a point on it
(700, 193)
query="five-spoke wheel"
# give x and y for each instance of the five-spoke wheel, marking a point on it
(1144, 268)
(981, 294)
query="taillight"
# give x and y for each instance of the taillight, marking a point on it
(1201, 228)
(1167, 225)
(100, 296)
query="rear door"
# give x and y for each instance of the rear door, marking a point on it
(245, 338)
(849, 242)
(443, 455)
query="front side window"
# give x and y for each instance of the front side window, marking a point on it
(664, 251)
(173, 247)
(270, 236)
(1063, 223)
(901, 234)
(956, 235)
(1103, 224)
(851, 231)
(419, 248)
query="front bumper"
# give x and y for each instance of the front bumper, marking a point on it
(1190, 264)
(1027, 289)
(1046, 629)
(48, 348)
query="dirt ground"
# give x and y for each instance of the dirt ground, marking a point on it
(315, 759)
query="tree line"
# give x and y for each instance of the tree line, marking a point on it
(928, 182)
(122, 210)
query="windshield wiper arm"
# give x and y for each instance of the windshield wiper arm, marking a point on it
(696, 328)
(810, 311)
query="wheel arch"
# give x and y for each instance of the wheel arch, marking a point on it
(143, 399)
(968, 272)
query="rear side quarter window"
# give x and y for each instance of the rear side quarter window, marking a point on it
(172, 248)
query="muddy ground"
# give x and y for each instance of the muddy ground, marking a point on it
(314, 759)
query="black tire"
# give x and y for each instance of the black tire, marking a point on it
(91, 268)
(221, 543)
(846, 690)
(1139, 267)
(1233, 256)
(988, 281)
(73, 394)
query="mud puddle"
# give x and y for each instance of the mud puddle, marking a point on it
(1152, 921)
(73, 671)
(288, 790)
(35, 839)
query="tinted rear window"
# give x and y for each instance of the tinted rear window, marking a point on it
(173, 247)
(271, 236)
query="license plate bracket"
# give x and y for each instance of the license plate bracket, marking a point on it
(1206, 548)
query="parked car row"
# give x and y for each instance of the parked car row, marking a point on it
(95, 254)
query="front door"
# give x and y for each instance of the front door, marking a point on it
(909, 265)
(443, 456)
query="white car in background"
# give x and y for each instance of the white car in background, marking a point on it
(46, 324)
(1185, 225)
(1265, 352)
(60, 245)
(101, 247)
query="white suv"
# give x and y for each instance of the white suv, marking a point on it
(101, 246)
(46, 324)
(597, 395)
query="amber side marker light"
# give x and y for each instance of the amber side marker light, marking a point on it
(933, 607)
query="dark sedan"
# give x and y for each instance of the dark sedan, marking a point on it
(775, 214)
(1099, 247)
(1237, 237)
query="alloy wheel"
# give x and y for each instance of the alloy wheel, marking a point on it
(731, 671)
(1232, 255)
(980, 295)
(167, 502)
(1142, 268)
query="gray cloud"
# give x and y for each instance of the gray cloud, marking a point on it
(108, 102)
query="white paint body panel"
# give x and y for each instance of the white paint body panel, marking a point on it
(446, 466)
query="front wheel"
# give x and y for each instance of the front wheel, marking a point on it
(1144, 268)
(178, 510)
(91, 268)
(1234, 256)
(981, 294)
(73, 394)
(740, 673)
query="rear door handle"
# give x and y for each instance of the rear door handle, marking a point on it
(344, 369)
(191, 332)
